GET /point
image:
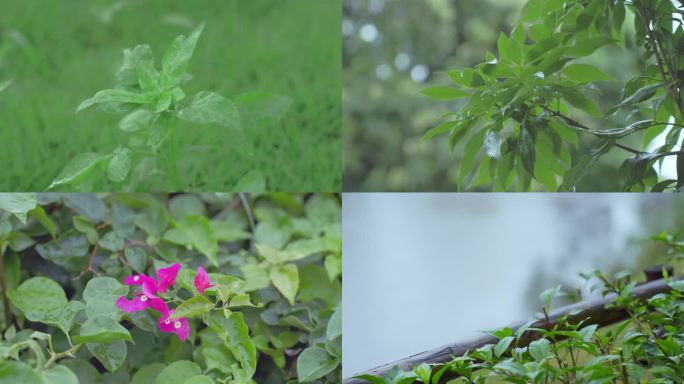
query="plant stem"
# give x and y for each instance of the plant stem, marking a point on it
(170, 160)
(3, 285)
(56, 356)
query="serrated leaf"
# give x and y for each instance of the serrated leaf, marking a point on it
(119, 165)
(584, 73)
(211, 108)
(440, 129)
(136, 121)
(128, 73)
(77, 168)
(113, 96)
(178, 54)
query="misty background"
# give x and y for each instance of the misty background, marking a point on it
(424, 270)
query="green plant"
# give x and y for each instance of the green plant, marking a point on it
(154, 102)
(528, 114)
(112, 288)
(645, 348)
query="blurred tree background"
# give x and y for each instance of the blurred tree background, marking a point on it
(394, 48)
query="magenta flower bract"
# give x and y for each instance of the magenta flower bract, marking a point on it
(146, 298)
(140, 302)
(167, 276)
(178, 326)
(202, 281)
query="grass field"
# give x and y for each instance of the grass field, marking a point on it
(60, 52)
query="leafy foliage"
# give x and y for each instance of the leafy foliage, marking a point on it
(95, 286)
(153, 101)
(645, 348)
(534, 100)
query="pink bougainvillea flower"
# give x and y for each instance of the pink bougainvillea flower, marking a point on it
(202, 281)
(180, 327)
(140, 302)
(167, 277)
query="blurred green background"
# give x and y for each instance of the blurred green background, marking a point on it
(394, 48)
(60, 52)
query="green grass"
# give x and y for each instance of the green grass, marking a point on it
(59, 52)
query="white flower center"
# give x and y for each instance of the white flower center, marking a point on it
(143, 298)
(136, 278)
(177, 324)
(167, 321)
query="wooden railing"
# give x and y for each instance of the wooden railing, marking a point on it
(590, 311)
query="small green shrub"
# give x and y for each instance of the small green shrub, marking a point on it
(153, 103)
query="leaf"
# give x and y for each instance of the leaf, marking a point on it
(586, 47)
(178, 54)
(639, 96)
(587, 332)
(84, 226)
(147, 373)
(254, 181)
(43, 300)
(136, 258)
(334, 329)
(200, 233)
(137, 120)
(103, 288)
(44, 219)
(113, 96)
(314, 363)
(540, 349)
(5, 84)
(194, 307)
(119, 165)
(177, 372)
(18, 204)
(472, 148)
(111, 355)
(12, 372)
(262, 105)
(38, 294)
(59, 374)
(286, 279)
(502, 346)
(439, 92)
(77, 168)
(527, 149)
(102, 329)
(209, 108)
(549, 295)
(680, 170)
(440, 129)
(199, 379)
(133, 58)
(587, 161)
(578, 100)
(240, 343)
(584, 73)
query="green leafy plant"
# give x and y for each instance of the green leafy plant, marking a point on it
(645, 348)
(113, 288)
(530, 114)
(154, 103)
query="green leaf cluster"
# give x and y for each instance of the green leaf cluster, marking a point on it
(273, 312)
